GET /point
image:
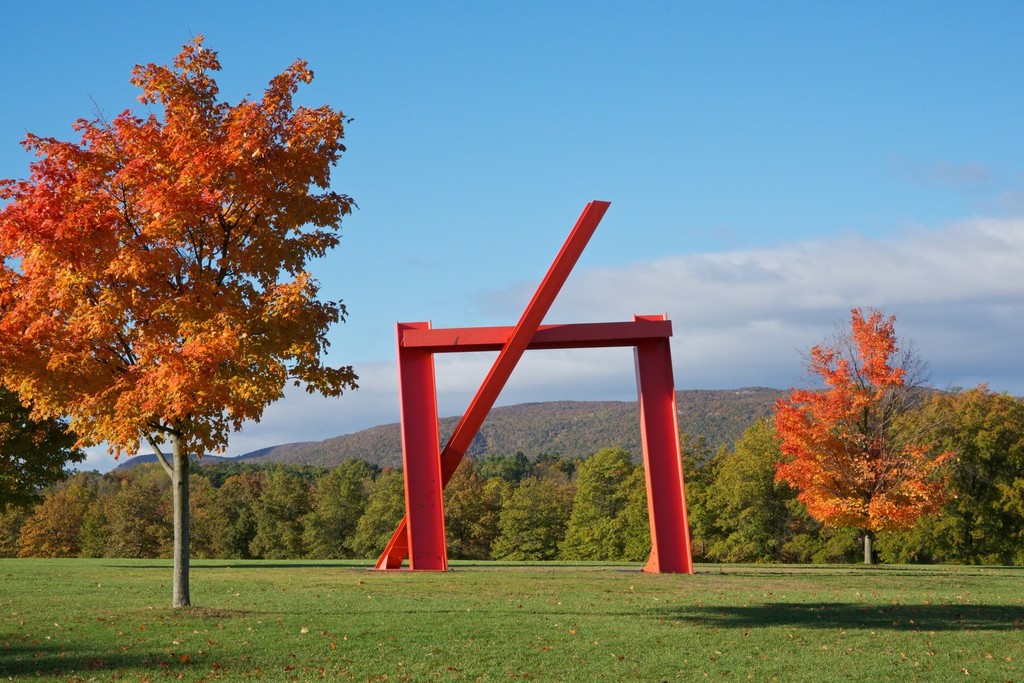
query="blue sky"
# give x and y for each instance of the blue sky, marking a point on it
(770, 166)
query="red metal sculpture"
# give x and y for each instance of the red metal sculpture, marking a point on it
(420, 535)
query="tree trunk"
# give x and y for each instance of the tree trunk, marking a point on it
(868, 556)
(179, 484)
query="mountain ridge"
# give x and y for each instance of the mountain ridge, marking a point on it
(573, 429)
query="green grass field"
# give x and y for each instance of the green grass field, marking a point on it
(109, 619)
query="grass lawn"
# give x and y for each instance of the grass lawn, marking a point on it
(109, 619)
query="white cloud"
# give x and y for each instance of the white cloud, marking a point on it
(310, 417)
(740, 316)
(98, 459)
(972, 261)
(579, 374)
(303, 417)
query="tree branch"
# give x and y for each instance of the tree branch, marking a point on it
(160, 457)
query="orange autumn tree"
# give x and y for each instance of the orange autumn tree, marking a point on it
(154, 287)
(844, 449)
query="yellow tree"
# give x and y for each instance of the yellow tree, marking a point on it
(155, 287)
(842, 446)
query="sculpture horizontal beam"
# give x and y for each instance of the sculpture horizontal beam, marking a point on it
(573, 336)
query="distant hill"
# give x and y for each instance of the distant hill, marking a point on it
(147, 458)
(574, 429)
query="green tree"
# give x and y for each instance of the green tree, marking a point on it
(756, 518)
(33, 453)
(385, 508)
(553, 465)
(139, 521)
(533, 520)
(511, 468)
(340, 498)
(279, 516)
(208, 520)
(597, 528)
(222, 471)
(235, 503)
(698, 472)
(983, 518)
(472, 509)
(95, 534)
(635, 518)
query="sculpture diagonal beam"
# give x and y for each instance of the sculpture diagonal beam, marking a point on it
(420, 535)
(398, 547)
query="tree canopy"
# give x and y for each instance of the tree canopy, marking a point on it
(842, 446)
(755, 517)
(597, 527)
(154, 282)
(33, 453)
(982, 520)
(161, 286)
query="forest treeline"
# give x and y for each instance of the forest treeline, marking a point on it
(513, 508)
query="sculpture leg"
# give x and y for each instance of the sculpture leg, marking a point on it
(659, 429)
(424, 539)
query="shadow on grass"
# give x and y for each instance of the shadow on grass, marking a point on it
(205, 565)
(901, 571)
(856, 616)
(368, 565)
(46, 660)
